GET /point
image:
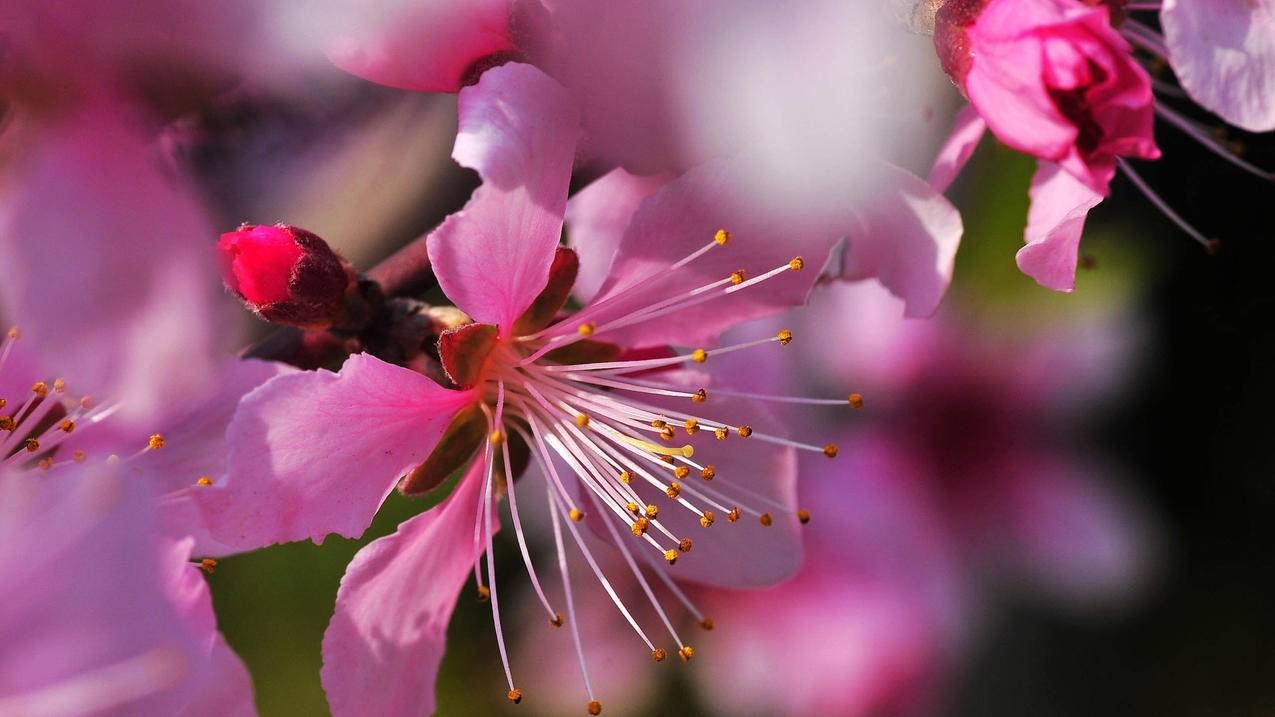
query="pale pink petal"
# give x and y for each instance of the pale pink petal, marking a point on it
(431, 46)
(313, 453)
(1223, 52)
(967, 130)
(519, 131)
(683, 216)
(221, 685)
(104, 264)
(1059, 205)
(382, 649)
(906, 237)
(597, 217)
(87, 627)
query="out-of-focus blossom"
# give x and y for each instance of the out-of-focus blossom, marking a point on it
(1224, 55)
(1060, 80)
(317, 452)
(706, 81)
(99, 615)
(960, 478)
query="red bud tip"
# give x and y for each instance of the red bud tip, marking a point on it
(285, 274)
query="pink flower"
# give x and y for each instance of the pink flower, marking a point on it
(285, 274)
(1052, 79)
(621, 440)
(703, 82)
(1223, 53)
(98, 614)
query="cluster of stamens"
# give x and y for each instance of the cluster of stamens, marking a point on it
(596, 420)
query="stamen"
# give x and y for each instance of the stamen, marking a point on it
(1228, 154)
(204, 481)
(1163, 206)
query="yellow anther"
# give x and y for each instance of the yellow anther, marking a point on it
(3, 403)
(7, 423)
(681, 471)
(587, 329)
(208, 565)
(708, 472)
(830, 450)
(803, 515)
(684, 451)
(785, 337)
(722, 237)
(515, 696)
(699, 355)
(556, 620)
(15, 333)
(670, 556)
(659, 654)
(32, 445)
(706, 623)
(797, 263)
(204, 481)
(652, 511)
(766, 520)
(576, 515)
(40, 389)
(691, 426)
(673, 490)
(856, 400)
(155, 442)
(67, 425)
(688, 451)
(626, 477)
(657, 423)
(80, 456)
(721, 433)
(582, 420)
(484, 593)
(733, 515)
(684, 545)
(59, 385)
(45, 464)
(595, 708)
(737, 277)
(700, 396)
(745, 431)
(496, 438)
(707, 518)
(631, 507)
(686, 653)
(639, 527)
(667, 434)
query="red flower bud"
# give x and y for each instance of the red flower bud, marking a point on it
(284, 274)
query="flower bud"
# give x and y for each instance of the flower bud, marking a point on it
(286, 275)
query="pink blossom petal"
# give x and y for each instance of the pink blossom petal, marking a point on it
(313, 453)
(519, 131)
(682, 217)
(382, 649)
(906, 237)
(597, 217)
(1059, 205)
(1223, 52)
(104, 263)
(967, 131)
(430, 46)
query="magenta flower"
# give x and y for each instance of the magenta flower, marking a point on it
(100, 614)
(810, 146)
(619, 434)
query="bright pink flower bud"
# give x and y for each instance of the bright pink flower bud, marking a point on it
(285, 274)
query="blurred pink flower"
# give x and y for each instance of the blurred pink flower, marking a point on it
(664, 86)
(98, 614)
(317, 452)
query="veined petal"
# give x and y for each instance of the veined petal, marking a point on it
(1059, 205)
(1223, 52)
(598, 216)
(967, 130)
(518, 129)
(382, 649)
(370, 423)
